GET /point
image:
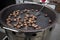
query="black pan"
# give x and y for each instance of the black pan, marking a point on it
(6, 11)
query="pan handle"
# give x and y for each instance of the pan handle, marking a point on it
(10, 29)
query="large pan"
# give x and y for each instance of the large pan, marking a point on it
(6, 11)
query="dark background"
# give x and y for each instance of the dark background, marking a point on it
(4, 3)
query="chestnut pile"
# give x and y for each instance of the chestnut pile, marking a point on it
(15, 20)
